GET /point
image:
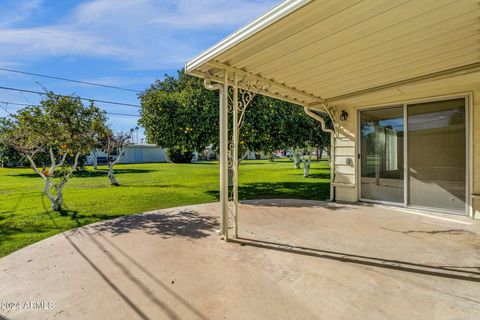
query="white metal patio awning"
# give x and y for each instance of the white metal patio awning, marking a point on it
(312, 51)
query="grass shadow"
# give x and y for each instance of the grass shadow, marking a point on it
(67, 213)
(15, 237)
(206, 163)
(103, 171)
(284, 190)
(88, 174)
(256, 163)
(325, 176)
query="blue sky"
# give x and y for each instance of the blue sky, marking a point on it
(127, 43)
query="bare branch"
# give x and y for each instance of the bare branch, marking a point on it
(34, 167)
(52, 160)
(67, 177)
(64, 157)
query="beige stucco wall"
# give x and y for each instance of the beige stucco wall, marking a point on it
(346, 180)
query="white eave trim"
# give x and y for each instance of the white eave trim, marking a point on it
(279, 12)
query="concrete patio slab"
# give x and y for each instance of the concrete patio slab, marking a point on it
(295, 259)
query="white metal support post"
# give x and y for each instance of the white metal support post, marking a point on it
(235, 141)
(238, 101)
(224, 157)
(228, 149)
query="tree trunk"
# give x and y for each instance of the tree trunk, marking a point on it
(95, 160)
(57, 200)
(296, 159)
(57, 203)
(306, 167)
(306, 164)
(111, 176)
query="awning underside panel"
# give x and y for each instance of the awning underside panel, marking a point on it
(328, 49)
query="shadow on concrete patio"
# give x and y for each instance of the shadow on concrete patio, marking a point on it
(155, 279)
(130, 275)
(166, 224)
(452, 272)
(123, 295)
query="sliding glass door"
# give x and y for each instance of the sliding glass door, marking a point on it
(382, 155)
(429, 139)
(437, 155)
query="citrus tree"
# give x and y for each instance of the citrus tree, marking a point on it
(179, 114)
(61, 129)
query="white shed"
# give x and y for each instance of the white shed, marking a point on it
(142, 153)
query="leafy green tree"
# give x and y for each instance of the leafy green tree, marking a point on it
(181, 115)
(60, 129)
(294, 128)
(271, 125)
(9, 156)
(314, 138)
(264, 127)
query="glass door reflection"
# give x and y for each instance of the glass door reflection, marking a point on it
(382, 156)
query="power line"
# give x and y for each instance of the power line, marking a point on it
(123, 114)
(6, 110)
(33, 105)
(60, 95)
(70, 80)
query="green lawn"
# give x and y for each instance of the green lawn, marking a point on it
(25, 215)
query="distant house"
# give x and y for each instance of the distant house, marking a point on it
(143, 153)
(134, 153)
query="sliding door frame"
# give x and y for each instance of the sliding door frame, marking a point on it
(359, 152)
(469, 152)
